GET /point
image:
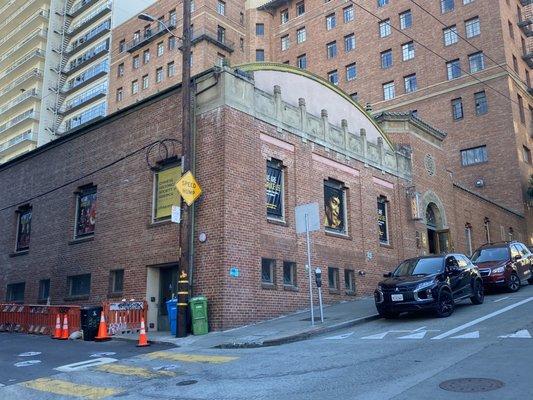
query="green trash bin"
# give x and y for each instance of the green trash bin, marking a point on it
(199, 315)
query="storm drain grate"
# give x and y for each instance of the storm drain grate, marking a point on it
(471, 385)
(186, 383)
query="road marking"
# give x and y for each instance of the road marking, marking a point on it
(166, 355)
(121, 369)
(498, 300)
(416, 335)
(65, 388)
(376, 336)
(470, 335)
(481, 319)
(343, 336)
(85, 364)
(103, 354)
(27, 363)
(29, 354)
(522, 334)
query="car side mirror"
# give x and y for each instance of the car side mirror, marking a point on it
(517, 257)
(387, 275)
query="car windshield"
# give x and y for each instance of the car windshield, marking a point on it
(419, 266)
(491, 254)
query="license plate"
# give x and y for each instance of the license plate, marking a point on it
(396, 297)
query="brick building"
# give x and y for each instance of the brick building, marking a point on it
(462, 65)
(94, 224)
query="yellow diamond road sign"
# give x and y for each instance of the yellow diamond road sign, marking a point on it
(189, 189)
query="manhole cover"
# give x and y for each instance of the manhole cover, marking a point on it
(186, 383)
(471, 385)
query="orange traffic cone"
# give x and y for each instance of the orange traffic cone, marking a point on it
(57, 332)
(143, 339)
(102, 330)
(64, 331)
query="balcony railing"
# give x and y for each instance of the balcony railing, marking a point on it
(150, 36)
(33, 73)
(86, 116)
(90, 18)
(41, 13)
(216, 38)
(22, 60)
(86, 97)
(38, 32)
(528, 54)
(85, 77)
(89, 37)
(26, 136)
(80, 6)
(26, 4)
(83, 59)
(30, 114)
(19, 99)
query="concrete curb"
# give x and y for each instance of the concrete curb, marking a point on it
(298, 336)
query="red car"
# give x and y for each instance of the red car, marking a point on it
(506, 264)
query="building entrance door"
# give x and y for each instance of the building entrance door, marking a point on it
(168, 281)
(438, 238)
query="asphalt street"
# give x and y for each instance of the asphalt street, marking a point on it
(407, 358)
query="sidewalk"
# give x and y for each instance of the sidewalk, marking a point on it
(286, 329)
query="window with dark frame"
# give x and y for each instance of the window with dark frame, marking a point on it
(383, 223)
(348, 14)
(15, 292)
(335, 206)
(146, 56)
(44, 289)
(331, 49)
(351, 72)
(410, 83)
(331, 21)
(333, 278)
(526, 154)
(333, 77)
(446, 6)
(301, 61)
(85, 211)
(480, 100)
(475, 155)
(349, 281)
(453, 69)
(472, 27)
(289, 273)
(301, 35)
(268, 267)
(116, 281)
(284, 15)
(450, 35)
(260, 29)
(406, 19)
(120, 70)
(24, 215)
(386, 59)
(457, 109)
(79, 285)
(349, 42)
(275, 190)
(171, 43)
(384, 28)
(122, 46)
(300, 8)
(259, 55)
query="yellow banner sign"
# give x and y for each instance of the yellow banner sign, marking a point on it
(189, 189)
(166, 192)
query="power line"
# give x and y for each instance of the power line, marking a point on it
(437, 54)
(148, 146)
(470, 43)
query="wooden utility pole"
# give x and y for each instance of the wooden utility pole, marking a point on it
(186, 157)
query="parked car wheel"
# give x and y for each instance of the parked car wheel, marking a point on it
(530, 280)
(388, 314)
(479, 294)
(445, 304)
(514, 283)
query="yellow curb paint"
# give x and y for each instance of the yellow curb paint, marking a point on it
(121, 369)
(165, 355)
(65, 388)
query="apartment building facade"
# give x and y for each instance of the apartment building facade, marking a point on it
(462, 65)
(54, 68)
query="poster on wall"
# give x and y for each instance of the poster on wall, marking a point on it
(166, 194)
(382, 222)
(86, 213)
(274, 192)
(23, 238)
(334, 208)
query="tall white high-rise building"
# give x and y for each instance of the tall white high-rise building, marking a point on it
(54, 64)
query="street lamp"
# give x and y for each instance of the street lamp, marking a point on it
(149, 18)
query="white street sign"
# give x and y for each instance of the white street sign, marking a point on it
(176, 214)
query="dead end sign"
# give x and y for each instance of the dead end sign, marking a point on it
(189, 188)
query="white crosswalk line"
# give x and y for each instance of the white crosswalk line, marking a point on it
(470, 335)
(416, 335)
(498, 300)
(376, 336)
(521, 334)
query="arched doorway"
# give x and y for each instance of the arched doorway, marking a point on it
(438, 236)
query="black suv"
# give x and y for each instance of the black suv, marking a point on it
(505, 264)
(433, 282)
